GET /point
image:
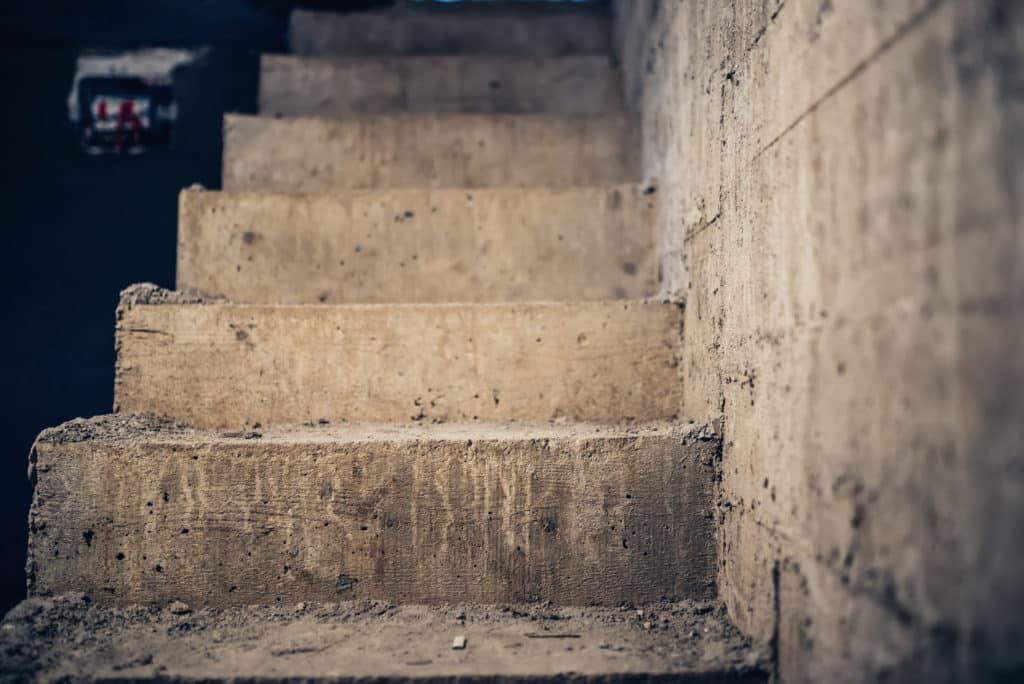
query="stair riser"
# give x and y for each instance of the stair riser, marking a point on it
(232, 521)
(522, 31)
(295, 86)
(424, 151)
(217, 365)
(419, 246)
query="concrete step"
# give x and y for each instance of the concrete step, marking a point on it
(131, 509)
(309, 86)
(216, 364)
(523, 29)
(69, 639)
(419, 245)
(428, 151)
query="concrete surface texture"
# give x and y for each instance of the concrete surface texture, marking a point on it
(842, 194)
(420, 245)
(575, 514)
(316, 86)
(372, 641)
(420, 151)
(533, 30)
(231, 365)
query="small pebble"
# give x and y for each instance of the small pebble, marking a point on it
(178, 608)
(459, 643)
(647, 625)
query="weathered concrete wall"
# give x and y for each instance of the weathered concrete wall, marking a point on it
(842, 194)
(318, 86)
(367, 246)
(232, 365)
(423, 151)
(142, 511)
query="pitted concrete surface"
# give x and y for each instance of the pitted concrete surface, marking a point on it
(377, 246)
(232, 365)
(134, 509)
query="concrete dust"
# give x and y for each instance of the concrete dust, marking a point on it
(69, 637)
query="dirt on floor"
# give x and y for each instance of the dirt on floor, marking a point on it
(68, 638)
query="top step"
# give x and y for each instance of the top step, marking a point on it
(520, 29)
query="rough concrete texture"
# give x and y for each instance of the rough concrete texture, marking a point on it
(423, 151)
(69, 638)
(145, 294)
(843, 193)
(227, 365)
(420, 245)
(313, 86)
(130, 511)
(522, 29)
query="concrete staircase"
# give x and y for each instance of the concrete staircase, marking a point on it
(429, 371)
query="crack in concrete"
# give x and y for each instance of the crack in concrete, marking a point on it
(857, 70)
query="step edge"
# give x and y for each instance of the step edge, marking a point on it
(618, 117)
(290, 58)
(641, 188)
(151, 428)
(150, 294)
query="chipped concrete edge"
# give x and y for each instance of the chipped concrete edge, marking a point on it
(148, 294)
(135, 426)
(111, 425)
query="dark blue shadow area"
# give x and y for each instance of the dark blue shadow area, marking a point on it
(78, 229)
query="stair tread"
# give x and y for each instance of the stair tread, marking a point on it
(334, 86)
(374, 641)
(413, 245)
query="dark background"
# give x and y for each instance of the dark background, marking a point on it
(78, 229)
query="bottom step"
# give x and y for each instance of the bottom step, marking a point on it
(69, 638)
(130, 509)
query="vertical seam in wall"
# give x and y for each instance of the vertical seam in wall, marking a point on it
(777, 617)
